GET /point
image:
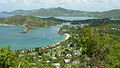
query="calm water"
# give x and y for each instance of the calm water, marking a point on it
(5, 15)
(69, 18)
(10, 35)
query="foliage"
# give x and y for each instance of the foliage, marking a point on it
(28, 21)
(9, 59)
(98, 47)
(65, 12)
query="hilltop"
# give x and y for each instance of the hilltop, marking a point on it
(113, 14)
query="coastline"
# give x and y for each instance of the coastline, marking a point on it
(10, 25)
(67, 37)
(25, 30)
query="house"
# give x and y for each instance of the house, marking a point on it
(76, 62)
(67, 60)
(21, 55)
(54, 58)
(47, 61)
(77, 53)
(69, 55)
(56, 64)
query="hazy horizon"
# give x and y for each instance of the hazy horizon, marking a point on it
(61, 7)
(82, 5)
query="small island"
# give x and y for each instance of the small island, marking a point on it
(27, 21)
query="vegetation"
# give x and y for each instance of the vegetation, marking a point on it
(28, 21)
(95, 22)
(87, 47)
(112, 14)
(9, 59)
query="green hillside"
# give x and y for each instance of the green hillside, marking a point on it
(29, 22)
(87, 47)
(114, 14)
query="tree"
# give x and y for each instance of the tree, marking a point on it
(9, 59)
(95, 44)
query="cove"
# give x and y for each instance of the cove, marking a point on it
(10, 35)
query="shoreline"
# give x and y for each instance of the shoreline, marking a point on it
(67, 37)
(10, 25)
(25, 30)
(52, 45)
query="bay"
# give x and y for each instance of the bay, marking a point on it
(10, 35)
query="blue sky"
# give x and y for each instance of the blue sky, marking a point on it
(83, 5)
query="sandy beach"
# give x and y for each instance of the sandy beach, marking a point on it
(67, 36)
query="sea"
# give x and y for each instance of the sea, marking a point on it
(40, 37)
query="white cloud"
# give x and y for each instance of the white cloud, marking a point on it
(3, 1)
(92, 5)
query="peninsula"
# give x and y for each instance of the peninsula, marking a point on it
(27, 21)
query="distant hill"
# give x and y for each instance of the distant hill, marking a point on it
(108, 14)
(113, 14)
(50, 12)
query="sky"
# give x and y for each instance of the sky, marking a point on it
(83, 5)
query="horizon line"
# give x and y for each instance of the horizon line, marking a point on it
(58, 7)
